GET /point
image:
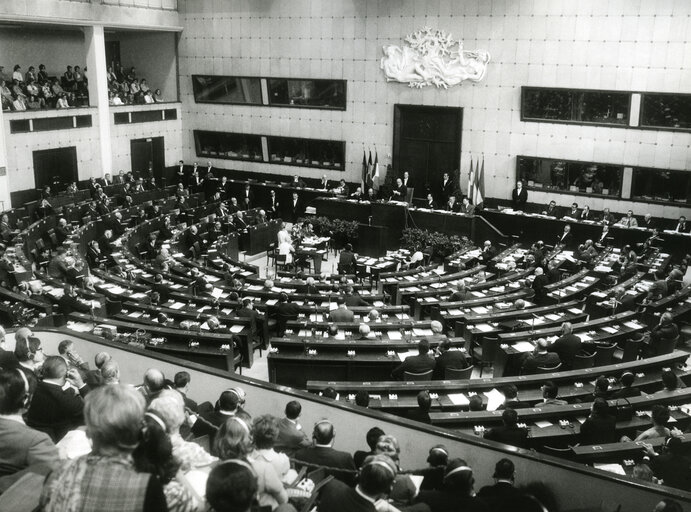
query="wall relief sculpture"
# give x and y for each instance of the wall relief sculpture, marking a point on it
(433, 57)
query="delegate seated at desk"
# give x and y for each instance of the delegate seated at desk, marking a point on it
(416, 364)
(552, 210)
(466, 207)
(342, 314)
(448, 358)
(539, 358)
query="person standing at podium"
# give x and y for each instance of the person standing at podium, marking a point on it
(446, 188)
(519, 196)
(399, 191)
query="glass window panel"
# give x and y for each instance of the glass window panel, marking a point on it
(232, 146)
(547, 104)
(226, 89)
(578, 177)
(661, 185)
(307, 152)
(603, 107)
(307, 93)
(666, 110)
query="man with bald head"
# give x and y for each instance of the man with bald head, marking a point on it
(56, 408)
(540, 358)
(154, 383)
(322, 453)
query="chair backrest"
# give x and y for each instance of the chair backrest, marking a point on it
(409, 195)
(605, 354)
(631, 350)
(582, 361)
(113, 307)
(489, 348)
(458, 373)
(544, 369)
(422, 376)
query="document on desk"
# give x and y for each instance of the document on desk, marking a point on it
(138, 295)
(484, 327)
(394, 335)
(633, 325)
(477, 294)
(523, 346)
(575, 311)
(117, 290)
(216, 293)
(480, 310)
(407, 353)
(552, 317)
(455, 312)
(617, 469)
(431, 299)
(402, 316)
(378, 303)
(458, 399)
(543, 424)
(135, 314)
(177, 305)
(422, 332)
(494, 399)
(610, 330)
(271, 302)
(236, 328)
(176, 286)
(212, 279)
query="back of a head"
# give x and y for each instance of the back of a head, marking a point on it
(340, 301)
(504, 470)
(660, 415)
(627, 379)
(550, 389)
(181, 379)
(510, 391)
(364, 329)
(600, 407)
(542, 344)
(110, 372)
(228, 401)
(362, 398)
(423, 346)
(509, 417)
(424, 401)
(13, 391)
(323, 432)
(231, 487)
(113, 417)
(154, 380)
(444, 346)
(330, 392)
(233, 440)
(476, 403)
(170, 407)
(64, 346)
(54, 367)
(669, 379)
(566, 328)
(436, 326)
(293, 410)
(377, 475)
(601, 383)
(438, 456)
(459, 477)
(373, 436)
(265, 431)
(668, 505)
(388, 445)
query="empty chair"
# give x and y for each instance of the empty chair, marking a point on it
(413, 377)
(604, 354)
(458, 373)
(632, 349)
(665, 346)
(485, 352)
(270, 252)
(583, 360)
(113, 307)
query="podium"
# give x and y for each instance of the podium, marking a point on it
(391, 215)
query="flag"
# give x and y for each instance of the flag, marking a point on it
(376, 165)
(480, 186)
(471, 182)
(364, 168)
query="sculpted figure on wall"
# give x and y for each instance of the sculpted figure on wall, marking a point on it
(433, 58)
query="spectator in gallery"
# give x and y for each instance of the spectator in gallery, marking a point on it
(17, 74)
(62, 102)
(42, 77)
(158, 97)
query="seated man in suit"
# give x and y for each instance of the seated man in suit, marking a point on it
(566, 346)
(488, 253)
(421, 413)
(503, 495)
(511, 400)
(71, 302)
(323, 454)
(448, 358)
(681, 226)
(565, 240)
(358, 194)
(573, 213)
(451, 205)
(55, 408)
(552, 210)
(550, 392)
(227, 405)
(416, 364)
(342, 313)
(161, 288)
(509, 433)
(466, 207)
(291, 436)
(287, 309)
(539, 283)
(540, 357)
(21, 446)
(371, 195)
(341, 189)
(181, 381)
(353, 299)
(62, 230)
(665, 331)
(430, 202)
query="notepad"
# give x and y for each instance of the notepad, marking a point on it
(612, 468)
(523, 346)
(610, 330)
(394, 335)
(477, 294)
(135, 314)
(422, 332)
(494, 399)
(543, 424)
(458, 399)
(552, 317)
(236, 328)
(480, 310)
(177, 305)
(484, 327)
(632, 325)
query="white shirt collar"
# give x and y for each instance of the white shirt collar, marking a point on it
(317, 445)
(13, 417)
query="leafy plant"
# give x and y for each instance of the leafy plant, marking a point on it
(438, 244)
(342, 231)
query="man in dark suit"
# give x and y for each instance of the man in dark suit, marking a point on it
(672, 465)
(54, 409)
(448, 358)
(21, 446)
(346, 260)
(227, 406)
(539, 358)
(71, 302)
(161, 288)
(552, 210)
(627, 390)
(323, 454)
(466, 207)
(247, 198)
(182, 386)
(286, 308)
(62, 231)
(323, 183)
(416, 364)
(445, 188)
(352, 299)
(375, 482)
(519, 197)
(273, 207)
(511, 398)
(607, 218)
(509, 433)
(682, 227)
(295, 208)
(421, 413)
(539, 283)
(342, 313)
(291, 436)
(566, 346)
(488, 253)
(503, 495)
(398, 192)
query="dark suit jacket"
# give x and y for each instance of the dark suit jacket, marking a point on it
(328, 457)
(414, 364)
(566, 347)
(400, 196)
(69, 305)
(503, 496)
(338, 497)
(352, 300)
(295, 211)
(8, 360)
(539, 284)
(566, 240)
(449, 359)
(22, 447)
(447, 501)
(514, 404)
(290, 439)
(514, 436)
(342, 315)
(532, 362)
(288, 309)
(518, 200)
(445, 190)
(598, 430)
(55, 411)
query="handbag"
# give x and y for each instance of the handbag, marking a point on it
(623, 412)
